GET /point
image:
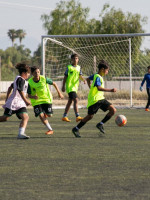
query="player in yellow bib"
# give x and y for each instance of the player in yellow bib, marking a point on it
(71, 80)
(41, 97)
(96, 99)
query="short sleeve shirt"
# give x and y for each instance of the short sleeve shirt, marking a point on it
(97, 81)
(66, 72)
(48, 81)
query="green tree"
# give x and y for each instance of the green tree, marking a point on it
(20, 34)
(10, 57)
(12, 35)
(114, 21)
(36, 59)
(68, 18)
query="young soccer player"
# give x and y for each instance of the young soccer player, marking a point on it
(17, 102)
(71, 78)
(41, 97)
(147, 79)
(96, 99)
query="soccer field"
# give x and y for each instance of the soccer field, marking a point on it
(113, 166)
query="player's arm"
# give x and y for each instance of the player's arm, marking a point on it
(58, 91)
(105, 89)
(24, 98)
(29, 93)
(82, 78)
(9, 91)
(20, 84)
(64, 80)
(88, 82)
(50, 82)
(100, 88)
(142, 83)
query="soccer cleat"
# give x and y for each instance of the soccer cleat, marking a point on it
(78, 118)
(50, 132)
(100, 127)
(146, 109)
(76, 132)
(23, 136)
(66, 119)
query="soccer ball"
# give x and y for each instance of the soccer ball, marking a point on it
(121, 120)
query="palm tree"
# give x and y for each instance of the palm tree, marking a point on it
(12, 35)
(20, 34)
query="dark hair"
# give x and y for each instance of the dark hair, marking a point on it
(103, 64)
(148, 67)
(74, 55)
(33, 68)
(22, 67)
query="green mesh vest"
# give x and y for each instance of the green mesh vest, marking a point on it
(95, 95)
(41, 89)
(72, 81)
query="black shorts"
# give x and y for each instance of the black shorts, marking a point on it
(43, 108)
(102, 104)
(72, 95)
(8, 112)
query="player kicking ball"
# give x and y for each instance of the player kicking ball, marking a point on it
(96, 99)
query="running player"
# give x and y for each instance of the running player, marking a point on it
(17, 102)
(72, 75)
(96, 99)
(147, 79)
(41, 97)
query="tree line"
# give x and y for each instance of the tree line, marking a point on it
(69, 17)
(13, 34)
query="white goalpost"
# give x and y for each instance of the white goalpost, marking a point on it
(127, 55)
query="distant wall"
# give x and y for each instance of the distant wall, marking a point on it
(4, 85)
(120, 85)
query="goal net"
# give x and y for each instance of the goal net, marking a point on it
(127, 54)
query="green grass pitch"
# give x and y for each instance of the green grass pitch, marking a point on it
(114, 166)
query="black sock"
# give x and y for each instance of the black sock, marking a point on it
(77, 114)
(106, 118)
(80, 124)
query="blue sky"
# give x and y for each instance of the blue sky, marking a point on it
(25, 14)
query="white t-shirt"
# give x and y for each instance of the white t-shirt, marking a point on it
(15, 101)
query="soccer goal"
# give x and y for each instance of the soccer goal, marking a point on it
(127, 54)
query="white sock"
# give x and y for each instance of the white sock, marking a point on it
(21, 131)
(48, 126)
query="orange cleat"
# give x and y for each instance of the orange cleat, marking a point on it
(78, 118)
(66, 119)
(50, 132)
(146, 109)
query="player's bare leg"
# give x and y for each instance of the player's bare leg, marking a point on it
(46, 123)
(76, 110)
(23, 124)
(65, 118)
